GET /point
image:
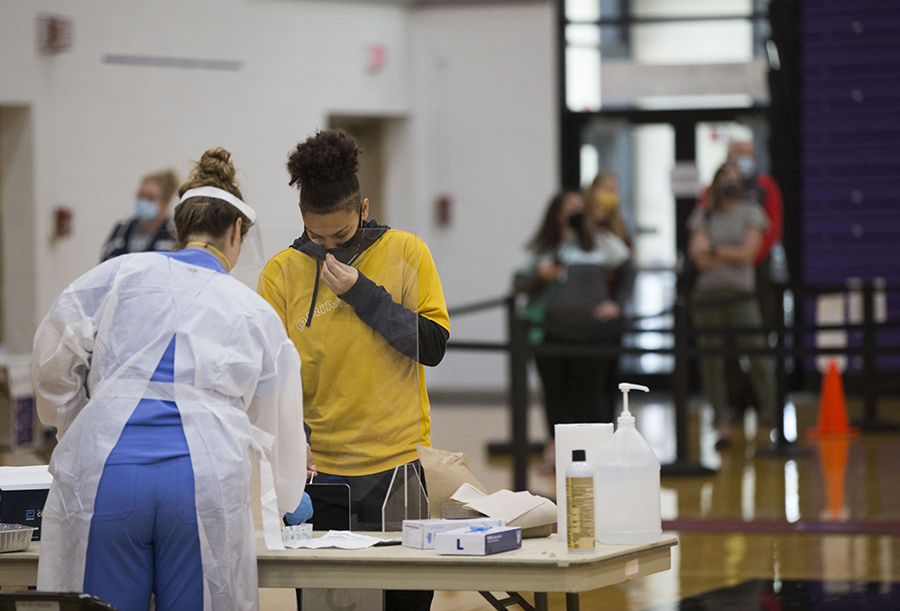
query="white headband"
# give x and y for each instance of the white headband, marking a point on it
(217, 193)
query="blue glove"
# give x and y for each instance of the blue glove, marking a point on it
(303, 512)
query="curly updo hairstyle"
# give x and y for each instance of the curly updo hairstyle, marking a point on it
(207, 215)
(324, 167)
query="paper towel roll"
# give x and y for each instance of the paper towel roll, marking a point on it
(588, 437)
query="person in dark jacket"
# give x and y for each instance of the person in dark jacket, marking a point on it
(150, 229)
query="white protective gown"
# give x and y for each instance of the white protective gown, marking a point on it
(237, 387)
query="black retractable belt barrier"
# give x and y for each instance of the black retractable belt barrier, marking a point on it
(520, 351)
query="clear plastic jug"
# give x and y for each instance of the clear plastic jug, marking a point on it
(628, 484)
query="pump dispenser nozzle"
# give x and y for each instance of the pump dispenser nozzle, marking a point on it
(625, 387)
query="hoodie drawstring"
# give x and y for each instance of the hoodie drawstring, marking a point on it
(312, 305)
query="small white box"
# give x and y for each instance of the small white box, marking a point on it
(299, 532)
(476, 541)
(420, 533)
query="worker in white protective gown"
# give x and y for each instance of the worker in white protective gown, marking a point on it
(163, 374)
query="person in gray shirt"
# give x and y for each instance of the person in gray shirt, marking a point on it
(723, 244)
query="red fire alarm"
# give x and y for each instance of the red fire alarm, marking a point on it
(442, 210)
(375, 59)
(62, 222)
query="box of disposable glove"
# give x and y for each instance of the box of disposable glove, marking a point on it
(478, 540)
(420, 533)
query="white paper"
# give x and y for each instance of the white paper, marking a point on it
(521, 509)
(341, 539)
(467, 493)
(592, 439)
(505, 504)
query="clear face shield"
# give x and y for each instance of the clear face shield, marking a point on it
(252, 259)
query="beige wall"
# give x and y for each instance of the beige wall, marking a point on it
(466, 93)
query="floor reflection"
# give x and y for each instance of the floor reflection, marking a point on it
(812, 527)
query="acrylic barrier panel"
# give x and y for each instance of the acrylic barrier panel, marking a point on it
(365, 400)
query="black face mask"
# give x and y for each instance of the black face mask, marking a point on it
(576, 221)
(347, 252)
(731, 189)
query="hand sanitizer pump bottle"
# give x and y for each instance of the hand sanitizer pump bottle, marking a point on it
(628, 484)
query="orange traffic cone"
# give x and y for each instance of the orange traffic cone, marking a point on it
(833, 422)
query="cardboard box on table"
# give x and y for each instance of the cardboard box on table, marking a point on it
(454, 493)
(20, 428)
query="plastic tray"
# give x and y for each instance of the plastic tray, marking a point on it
(15, 537)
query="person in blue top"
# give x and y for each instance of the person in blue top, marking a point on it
(163, 375)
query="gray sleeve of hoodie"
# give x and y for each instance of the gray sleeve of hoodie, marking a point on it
(419, 338)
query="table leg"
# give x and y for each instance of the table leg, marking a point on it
(540, 601)
(573, 603)
(513, 598)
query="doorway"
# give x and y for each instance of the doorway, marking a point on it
(643, 148)
(369, 133)
(17, 230)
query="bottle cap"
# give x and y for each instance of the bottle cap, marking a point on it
(578, 455)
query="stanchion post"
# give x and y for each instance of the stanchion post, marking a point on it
(518, 395)
(780, 373)
(870, 381)
(782, 447)
(870, 377)
(682, 464)
(680, 386)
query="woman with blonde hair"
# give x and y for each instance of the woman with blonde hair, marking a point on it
(603, 206)
(150, 228)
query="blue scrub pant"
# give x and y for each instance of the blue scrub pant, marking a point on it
(144, 538)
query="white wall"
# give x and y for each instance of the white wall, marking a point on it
(485, 100)
(99, 127)
(469, 90)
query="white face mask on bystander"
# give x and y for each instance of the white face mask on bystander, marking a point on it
(747, 165)
(145, 209)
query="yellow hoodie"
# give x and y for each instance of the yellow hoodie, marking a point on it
(364, 401)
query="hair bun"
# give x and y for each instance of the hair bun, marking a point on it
(329, 156)
(216, 164)
(213, 170)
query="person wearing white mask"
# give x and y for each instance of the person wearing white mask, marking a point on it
(150, 228)
(724, 242)
(163, 375)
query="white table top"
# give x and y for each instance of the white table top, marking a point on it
(541, 565)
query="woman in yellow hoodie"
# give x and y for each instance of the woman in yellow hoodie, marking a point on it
(363, 305)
